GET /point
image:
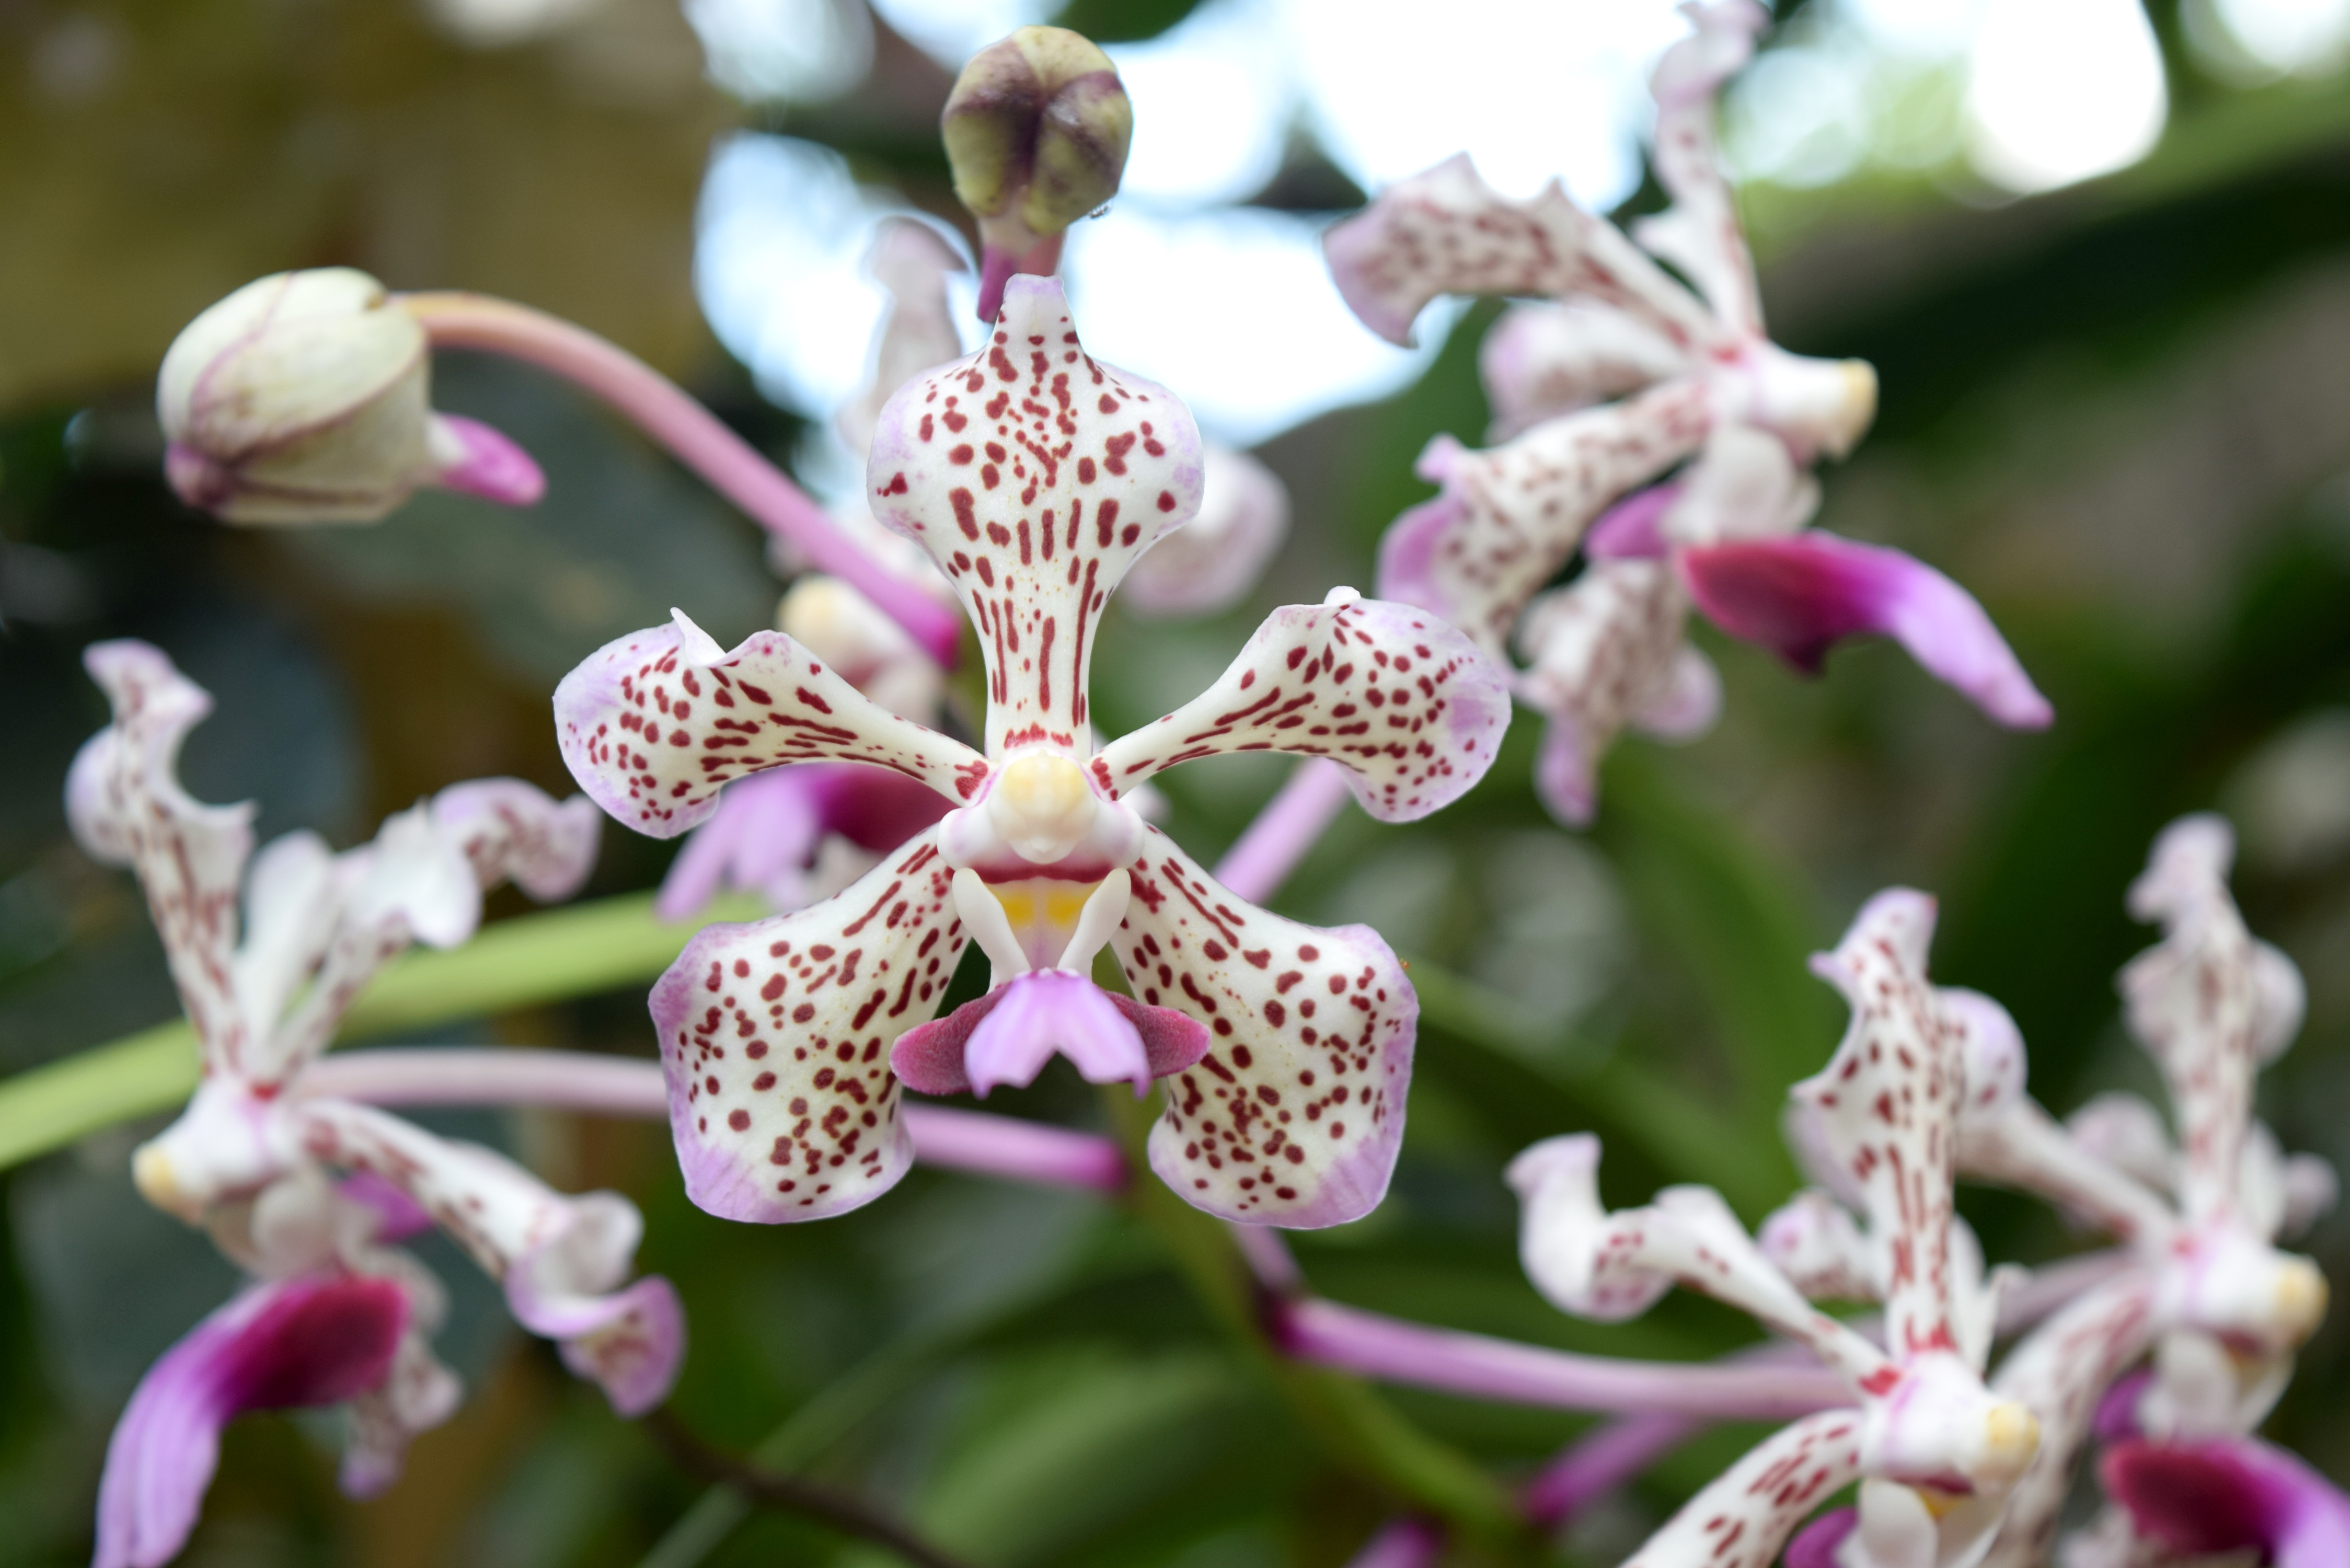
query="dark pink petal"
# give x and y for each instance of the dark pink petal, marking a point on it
(1815, 1544)
(1801, 594)
(482, 462)
(2229, 1494)
(316, 1340)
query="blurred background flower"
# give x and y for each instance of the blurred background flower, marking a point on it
(2099, 254)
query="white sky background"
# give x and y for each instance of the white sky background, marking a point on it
(1232, 307)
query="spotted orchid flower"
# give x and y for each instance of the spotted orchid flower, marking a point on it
(2218, 1306)
(1035, 475)
(1624, 375)
(1936, 1451)
(268, 950)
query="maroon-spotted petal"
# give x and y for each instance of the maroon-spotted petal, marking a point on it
(1408, 707)
(314, 1340)
(1801, 594)
(2229, 1494)
(1295, 1114)
(774, 1040)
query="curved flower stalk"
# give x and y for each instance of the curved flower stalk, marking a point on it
(1935, 1450)
(1693, 379)
(268, 950)
(2210, 1297)
(304, 397)
(1035, 475)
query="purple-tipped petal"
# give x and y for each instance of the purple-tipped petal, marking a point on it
(631, 1341)
(479, 460)
(1007, 1035)
(2116, 1420)
(316, 1340)
(1295, 1116)
(2227, 1495)
(1408, 707)
(1799, 595)
(397, 1216)
(1815, 1544)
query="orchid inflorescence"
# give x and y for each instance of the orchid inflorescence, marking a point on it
(1647, 429)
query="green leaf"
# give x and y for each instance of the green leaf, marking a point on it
(531, 958)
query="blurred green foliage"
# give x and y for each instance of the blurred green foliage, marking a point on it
(2120, 412)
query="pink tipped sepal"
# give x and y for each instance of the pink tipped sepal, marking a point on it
(479, 460)
(2227, 1495)
(315, 1340)
(1008, 1036)
(1802, 594)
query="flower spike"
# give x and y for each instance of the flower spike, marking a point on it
(1693, 376)
(1936, 1452)
(1035, 477)
(335, 1317)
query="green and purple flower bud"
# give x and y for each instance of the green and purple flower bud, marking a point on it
(1036, 132)
(304, 397)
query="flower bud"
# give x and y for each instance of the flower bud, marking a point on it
(303, 398)
(1036, 132)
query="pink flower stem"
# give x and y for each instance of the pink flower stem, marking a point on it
(1256, 865)
(1485, 1368)
(1408, 1542)
(969, 1141)
(699, 439)
(1600, 1462)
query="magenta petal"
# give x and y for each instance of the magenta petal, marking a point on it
(317, 1340)
(1815, 1545)
(1008, 1036)
(2116, 1418)
(1633, 529)
(2227, 1494)
(489, 463)
(1802, 594)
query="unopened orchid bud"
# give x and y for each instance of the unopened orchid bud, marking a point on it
(1036, 132)
(303, 398)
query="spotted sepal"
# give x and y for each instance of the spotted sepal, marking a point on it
(126, 806)
(1611, 1266)
(2060, 1371)
(1744, 1516)
(775, 1039)
(1407, 705)
(1885, 1110)
(654, 724)
(561, 1259)
(1508, 517)
(1035, 475)
(1699, 233)
(1445, 231)
(1295, 1114)
(2210, 1004)
(1603, 652)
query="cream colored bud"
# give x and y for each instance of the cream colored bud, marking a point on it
(2301, 1296)
(157, 1182)
(303, 398)
(1036, 132)
(2011, 1439)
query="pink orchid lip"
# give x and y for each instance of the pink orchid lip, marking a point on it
(1802, 594)
(1007, 1035)
(2227, 1494)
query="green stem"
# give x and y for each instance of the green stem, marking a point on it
(1351, 1419)
(522, 963)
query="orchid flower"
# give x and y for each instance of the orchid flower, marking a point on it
(1696, 380)
(1035, 475)
(333, 1316)
(2219, 1308)
(1936, 1451)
